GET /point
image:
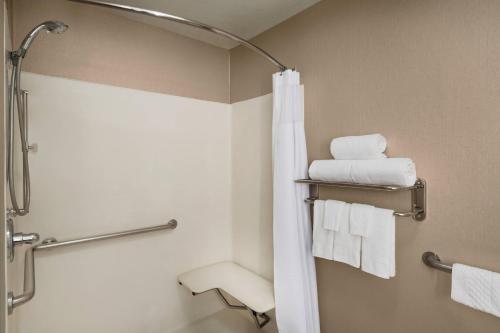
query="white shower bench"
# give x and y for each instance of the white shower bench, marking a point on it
(255, 293)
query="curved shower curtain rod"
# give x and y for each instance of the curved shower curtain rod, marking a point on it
(191, 23)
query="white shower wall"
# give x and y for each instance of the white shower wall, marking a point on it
(112, 159)
(251, 184)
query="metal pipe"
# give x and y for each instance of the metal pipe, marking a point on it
(189, 22)
(29, 258)
(432, 260)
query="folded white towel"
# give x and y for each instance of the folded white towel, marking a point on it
(388, 171)
(333, 214)
(378, 254)
(346, 247)
(361, 219)
(477, 288)
(322, 238)
(363, 147)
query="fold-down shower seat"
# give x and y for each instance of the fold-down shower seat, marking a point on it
(255, 293)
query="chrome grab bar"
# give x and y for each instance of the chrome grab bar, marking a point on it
(432, 260)
(29, 258)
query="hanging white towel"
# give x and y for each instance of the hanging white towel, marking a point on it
(387, 171)
(361, 219)
(362, 147)
(322, 237)
(378, 253)
(333, 214)
(477, 288)
(346, 247)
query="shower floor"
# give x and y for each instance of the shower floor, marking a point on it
(226, 321)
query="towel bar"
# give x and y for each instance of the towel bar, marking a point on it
(432, 260)
(400, 214)
(418, 194)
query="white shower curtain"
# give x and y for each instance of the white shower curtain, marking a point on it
(294, 270)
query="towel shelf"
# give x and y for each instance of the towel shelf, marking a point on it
(418, 194)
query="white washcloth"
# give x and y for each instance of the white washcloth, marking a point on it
(363, 147)
(333, 214)
(378, 254)
(346, 247)
(477, 288)
(387, 171)
(361, 219)
(322, 238)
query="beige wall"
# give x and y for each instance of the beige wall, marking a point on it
(103, 47)
(427, 75)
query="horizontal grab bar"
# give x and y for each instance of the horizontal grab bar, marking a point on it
(432, 260)
(29, 258)
(53, 243)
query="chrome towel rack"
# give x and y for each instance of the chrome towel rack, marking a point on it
(51, 243)
(418, 194)
(432, 260)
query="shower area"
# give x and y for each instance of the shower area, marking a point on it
(125, 175)
(235, 166)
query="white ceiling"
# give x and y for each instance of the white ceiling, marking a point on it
(245, 18)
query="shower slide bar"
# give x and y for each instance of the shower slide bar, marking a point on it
(189, 22)
(51, 243)
(418, 194)
(432, 260)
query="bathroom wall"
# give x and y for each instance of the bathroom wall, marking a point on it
(113, 159)
(426, 74)
(251, 184)
(102, 47)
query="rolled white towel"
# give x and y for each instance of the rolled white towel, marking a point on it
(387, 171)
(362, 147)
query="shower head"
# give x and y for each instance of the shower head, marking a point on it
(56, 27)
(50, 26)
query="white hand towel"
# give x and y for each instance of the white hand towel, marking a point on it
(361, 219)
(333, 214)
(388, 171)
(346, 247)
(378, 254)
(363, 147)
(477, 288)
(322, 238)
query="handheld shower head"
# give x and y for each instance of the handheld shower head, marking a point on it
(57, 27)
(50, 26)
